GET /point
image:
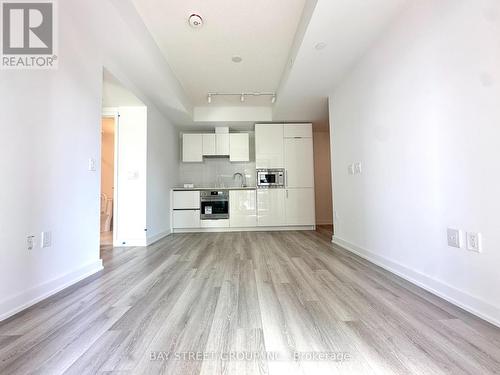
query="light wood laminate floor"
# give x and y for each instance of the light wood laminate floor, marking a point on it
(194, 295)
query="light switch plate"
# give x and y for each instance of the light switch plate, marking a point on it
(357, 168)
(350, 169)
(454, 238)
(474, 242)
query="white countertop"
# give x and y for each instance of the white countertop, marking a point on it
(213, 188)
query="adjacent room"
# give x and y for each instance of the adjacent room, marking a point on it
(250, 187)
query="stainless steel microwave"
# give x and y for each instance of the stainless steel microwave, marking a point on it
(270, 178)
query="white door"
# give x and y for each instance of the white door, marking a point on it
(222, 144)
(270, 207)
(299, 162)
(192, 147)
(269, 146)
(299, 206)
(242, 208)
(239, 147)
(209, 144)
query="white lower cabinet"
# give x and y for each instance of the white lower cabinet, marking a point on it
(270, 207)
(242, 208)
(300, 206)
(186, 219)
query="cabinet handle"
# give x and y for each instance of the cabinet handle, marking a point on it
(287, 194)
(286, 178)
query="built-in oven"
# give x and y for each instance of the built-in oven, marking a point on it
(214, 205)
(270, 178)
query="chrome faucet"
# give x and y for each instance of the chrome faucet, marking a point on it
(243, 178)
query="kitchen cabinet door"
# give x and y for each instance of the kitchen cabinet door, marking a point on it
(222, 144)
(192, 146)
(186, 200)
(242, 208)
(299, 163)
(297, 131)
(269, 146)
(270, 207)
(239, 147)
(186, 219)
(300, 207)
(209, 148)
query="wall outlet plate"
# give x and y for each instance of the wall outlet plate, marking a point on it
(474, 242)
(454, 238)
(46, 240)
(30, 242)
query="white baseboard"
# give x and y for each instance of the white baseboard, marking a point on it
(244, 229)
(151, 240)
(474, 305)
(13, 305)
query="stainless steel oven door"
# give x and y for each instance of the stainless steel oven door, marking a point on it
(214, 205)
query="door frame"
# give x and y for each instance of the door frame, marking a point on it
(114, 114)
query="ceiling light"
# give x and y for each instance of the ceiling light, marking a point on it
(242, 98)
(273, 98)
(320, 46)
(237, 59)
(209, 98)
(195, 21)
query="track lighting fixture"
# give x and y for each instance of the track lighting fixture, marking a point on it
(242, 95)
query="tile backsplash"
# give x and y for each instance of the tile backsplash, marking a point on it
(216, 172)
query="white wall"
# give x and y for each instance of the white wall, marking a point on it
(130, 219)
(45, 183)
(162, 172)
(421, 111)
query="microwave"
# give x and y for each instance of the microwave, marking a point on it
(270, 178)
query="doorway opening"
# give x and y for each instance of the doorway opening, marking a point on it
(108, 131)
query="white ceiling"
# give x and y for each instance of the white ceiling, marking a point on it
(260, 31)
(276, 39)
(348, 27)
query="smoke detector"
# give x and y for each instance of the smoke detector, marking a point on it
(195, 21)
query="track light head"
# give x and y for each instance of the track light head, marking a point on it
(209, 98)
(273, 98)
(242, 98)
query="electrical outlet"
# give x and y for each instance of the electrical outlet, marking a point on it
(357, 168)
(46, 239)
(454, 238)
(30, 242)
(474, 242)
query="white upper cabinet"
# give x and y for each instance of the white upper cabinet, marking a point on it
(239, 147)
(209, 148)
(192, 145)
(222, 144)
(299, 162)
(195, 146)
(298, 131)
(269, 146)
